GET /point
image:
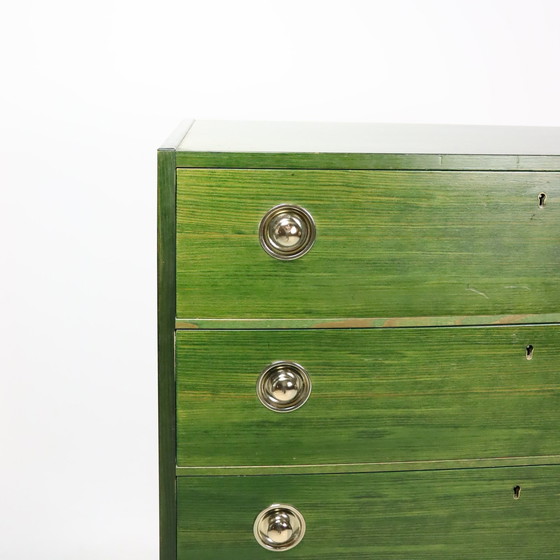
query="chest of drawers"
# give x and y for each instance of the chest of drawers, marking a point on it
(359, 333)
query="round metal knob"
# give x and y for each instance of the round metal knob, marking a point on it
(287, 232)
(279, 527)
(283, 386)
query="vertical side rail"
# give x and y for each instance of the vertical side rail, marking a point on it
(166, 353)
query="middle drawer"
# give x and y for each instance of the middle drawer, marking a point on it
(400, 394)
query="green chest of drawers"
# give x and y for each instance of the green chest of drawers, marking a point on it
(359, 332)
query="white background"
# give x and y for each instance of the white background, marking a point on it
(88, 92)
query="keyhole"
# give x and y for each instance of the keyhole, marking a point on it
(542, 200)
(529, 352)
(516, 492)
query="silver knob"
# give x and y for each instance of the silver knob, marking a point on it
(287, 232)
(284, 386)
(279, 527)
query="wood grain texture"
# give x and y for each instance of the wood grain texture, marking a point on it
(413, 438)
(368, 322)
(389, 244)
(379, 395)
(166, 289)
(166, 343)
(333, 468)
(468, 514)
(425, 162)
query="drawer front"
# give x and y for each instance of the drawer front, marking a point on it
(388, 244)
(377, 395)
(467, 514)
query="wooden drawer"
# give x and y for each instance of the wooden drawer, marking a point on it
(389, 244)
(469, 514)
(378, 395)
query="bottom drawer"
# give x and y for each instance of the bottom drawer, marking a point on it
(456, 513)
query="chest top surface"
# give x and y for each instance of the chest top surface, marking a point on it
(367, 138)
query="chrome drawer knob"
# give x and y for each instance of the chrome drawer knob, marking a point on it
(283, 386)
(279, 527)
(287, 232)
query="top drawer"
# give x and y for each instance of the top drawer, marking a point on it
(388, 244)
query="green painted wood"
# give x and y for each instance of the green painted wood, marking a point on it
(371, 322)
(379, 395)
(405, 240)
(389, 244)
(166, 343)
(255, 160)
(371, 467)
(166, 262)
(166, 219)
(468, 514)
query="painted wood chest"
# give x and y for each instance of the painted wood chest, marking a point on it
(359, 341)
